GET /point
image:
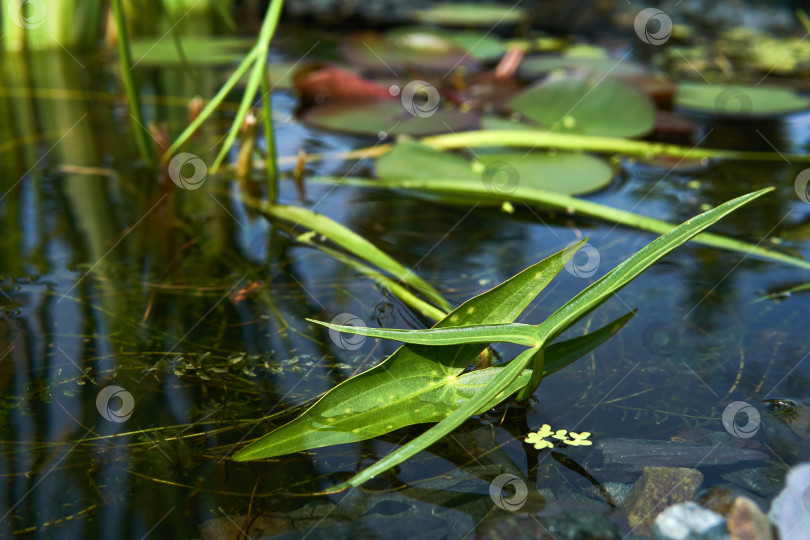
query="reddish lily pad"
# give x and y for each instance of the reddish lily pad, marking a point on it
(321, 83)
(387, 118)
(599, 107)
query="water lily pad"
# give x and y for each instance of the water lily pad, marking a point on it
(739, 101)
(197, 51)
(586, 106)
(386, 118)
(496, 122)
(397, 51)
(502, 172)
(470, 14)
(477, 44)
(542, 65)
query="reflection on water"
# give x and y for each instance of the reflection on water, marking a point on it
(147, 331)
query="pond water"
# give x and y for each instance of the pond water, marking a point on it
(194, 307)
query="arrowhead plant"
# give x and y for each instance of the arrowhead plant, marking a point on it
(424, 381)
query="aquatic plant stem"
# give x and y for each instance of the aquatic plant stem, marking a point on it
(211, 106)
(571, 205)
(270, 142)
(532, 139)
(259, 71)
(145, 146)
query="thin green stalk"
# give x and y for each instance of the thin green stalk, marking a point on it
(587, 143)
(145, 146)
(559, 141)
(259, 71)
(385, 282)
(566, 203)
(212, 105)
(270, 141)
(804, 19)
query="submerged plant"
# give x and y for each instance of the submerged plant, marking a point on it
(424, 380)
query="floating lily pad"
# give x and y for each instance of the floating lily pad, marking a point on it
(478, 45)
(197, 51)
(741, 101)
(503, 172)
(542, 65)
(397, 51)
(470, 14)
(386, 118)
(495, 122)
(586, 106)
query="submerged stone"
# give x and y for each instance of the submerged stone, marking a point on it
(658, 488)
(559, 521)
(621, 460)
(765, 481)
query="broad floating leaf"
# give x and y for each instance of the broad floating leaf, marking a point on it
(477, 45)
(740, 101)
(387, 118)
(565, 172)
(470, 14)
(604, 108)
(542, 65)
(400, 50)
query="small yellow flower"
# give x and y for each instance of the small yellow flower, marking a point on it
(537, 440)
(561, 434)
(579, 439)
(544, 431)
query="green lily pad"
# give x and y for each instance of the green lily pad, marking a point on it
(397, 51)
(387, 118)
(739, 102)
(198, 51)
(502, 172)
(470, 14)
(542, 65)
(496, 122)
(477, 44)
(585, 106)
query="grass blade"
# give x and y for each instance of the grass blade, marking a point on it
(351, 242)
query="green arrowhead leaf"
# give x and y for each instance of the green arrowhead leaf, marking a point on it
(555, 358)
(570, 313)
(403, 390)
(520, 334)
